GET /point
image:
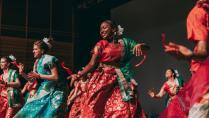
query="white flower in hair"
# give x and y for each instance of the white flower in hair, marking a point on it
(177, 73)
(120, 30)
(46, 40)
(12, 57)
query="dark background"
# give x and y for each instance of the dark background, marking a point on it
(77, 22)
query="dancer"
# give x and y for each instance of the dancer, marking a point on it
(30, 87)
(173, 84)
(76, 97)
(50, 99)
(111, 88)
(10, 98)
(192, 100)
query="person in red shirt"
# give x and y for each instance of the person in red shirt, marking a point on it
(193, 100)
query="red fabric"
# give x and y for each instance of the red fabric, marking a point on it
(198, 85)
(75, 110)
(191, 93)
(167, 89)
(197, 29)
(3, 104)
(174, 110)
(104, 99)
(5, 110)
(197, 24)
(109, 52)
(11, 112)
(32, 86)
(3, 99)
(66, 68)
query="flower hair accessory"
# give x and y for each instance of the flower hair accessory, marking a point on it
(13, 60)
(120, 30)
(12, 57)
(176, 72)
(46, 40)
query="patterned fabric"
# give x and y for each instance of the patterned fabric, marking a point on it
(50, 99)
(10, 99)
(105, 94)
(75, 109)
(31, 88)
(179, 83)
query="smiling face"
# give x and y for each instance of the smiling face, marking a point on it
(106, 31)
(37, 52)
(169, 73)
(4, 63)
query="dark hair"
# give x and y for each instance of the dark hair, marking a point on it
(11, 66)
(173, 71)
(112, 24)
(42, 45)
(7, 59)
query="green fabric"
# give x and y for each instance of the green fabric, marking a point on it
(51, 97)
(125, 68)
(181, 81)
(13, 93)
(52, 63)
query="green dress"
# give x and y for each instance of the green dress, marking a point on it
(50, 98)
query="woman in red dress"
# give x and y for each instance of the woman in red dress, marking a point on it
(173, 84)
(111, 87)
(193, 100)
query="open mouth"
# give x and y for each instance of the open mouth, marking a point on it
(104, 34)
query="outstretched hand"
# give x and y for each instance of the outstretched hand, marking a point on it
(140, 50)
(137, 50)
(151, 93)
(177, 50)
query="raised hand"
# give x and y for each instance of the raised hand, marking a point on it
(21, 67)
